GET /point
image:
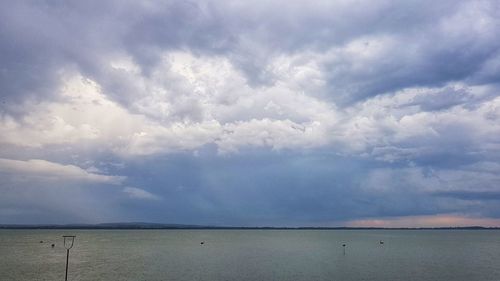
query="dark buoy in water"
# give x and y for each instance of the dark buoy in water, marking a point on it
(41, 241)
(343, 246)
(202, 242)
(53, 245)
(381, 242)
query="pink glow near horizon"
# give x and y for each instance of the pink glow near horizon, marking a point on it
(425, 221)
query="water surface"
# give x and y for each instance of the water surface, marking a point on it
(252, 255)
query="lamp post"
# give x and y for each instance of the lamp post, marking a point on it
(70, 241)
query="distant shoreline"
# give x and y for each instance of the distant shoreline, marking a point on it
(156, 226)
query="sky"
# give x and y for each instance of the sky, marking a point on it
(250, 113)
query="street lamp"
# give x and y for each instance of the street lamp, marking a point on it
(69, 240)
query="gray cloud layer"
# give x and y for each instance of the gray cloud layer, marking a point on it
(368, 48)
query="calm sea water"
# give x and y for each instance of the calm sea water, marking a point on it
(252, 255)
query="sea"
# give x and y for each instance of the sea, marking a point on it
(154, 255)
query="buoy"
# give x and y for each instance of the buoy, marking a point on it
(381, 242)
(53, 245)
(202, 242)
(41, 241)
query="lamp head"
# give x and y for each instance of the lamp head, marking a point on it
(69, 240)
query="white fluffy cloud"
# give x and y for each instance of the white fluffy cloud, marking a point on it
(397, 127)
(137, 193)
(45, 170)
(227, 112)
(210, 103)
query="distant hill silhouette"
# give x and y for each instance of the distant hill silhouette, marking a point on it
(147, 225)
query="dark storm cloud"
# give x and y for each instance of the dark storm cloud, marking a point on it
(28, 53)
(444, 99)
(470, 195)
(424, 49)
(41, 39)
(432, 43)
(252, 189)
(262, 188)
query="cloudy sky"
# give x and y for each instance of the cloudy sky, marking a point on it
(251, 113)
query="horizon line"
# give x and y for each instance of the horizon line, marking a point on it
(150, 225)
